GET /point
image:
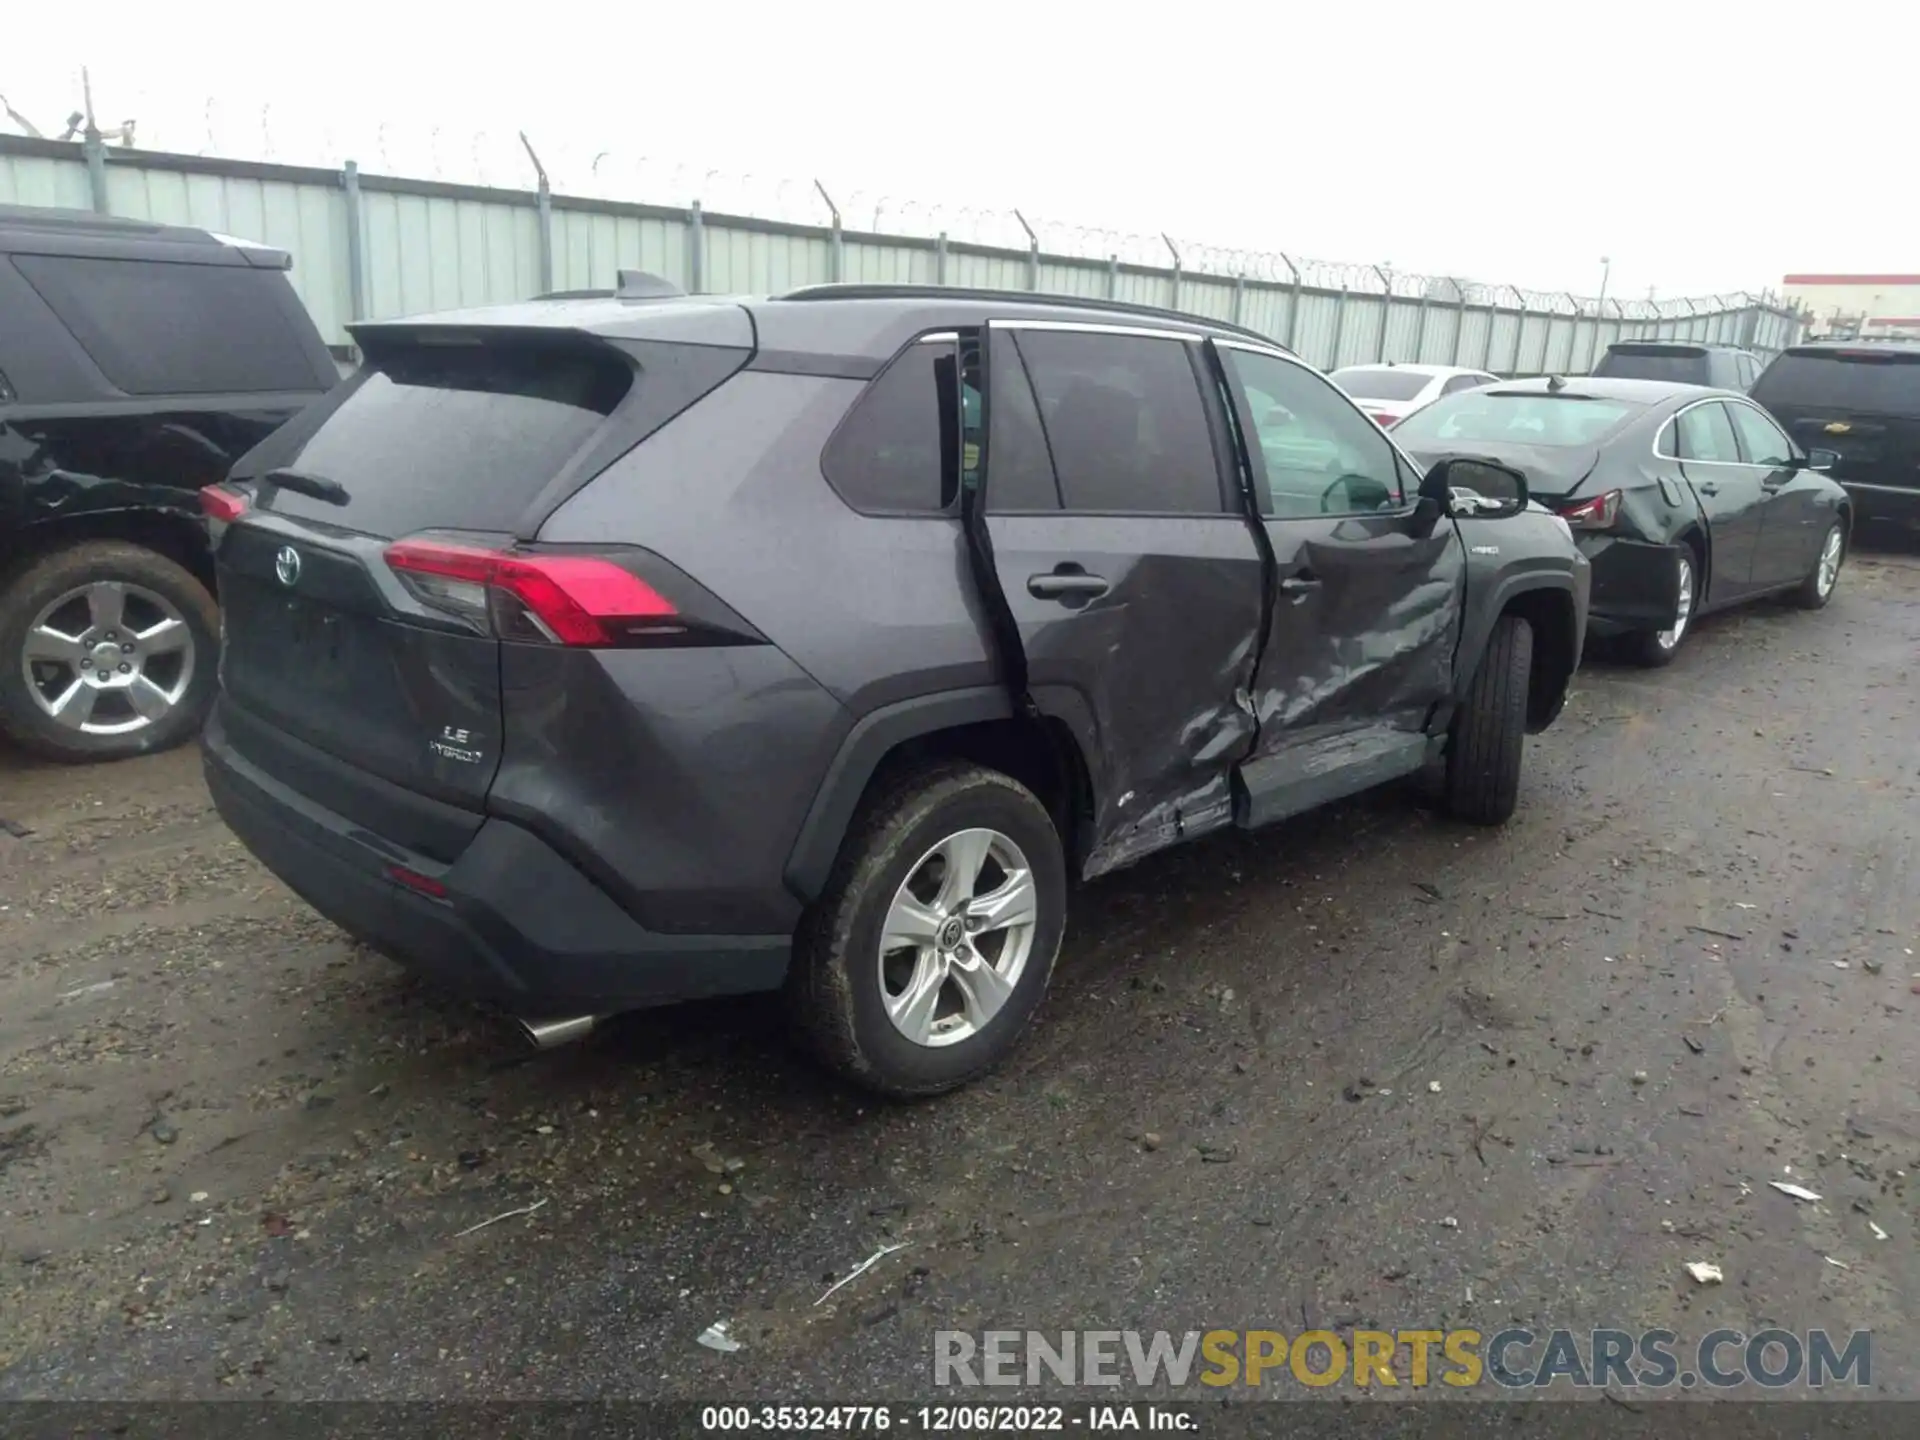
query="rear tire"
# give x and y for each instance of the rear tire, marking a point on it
(1817, 589)
(166, 631)
(845, 988)
(1488, 736)
(1653, 649)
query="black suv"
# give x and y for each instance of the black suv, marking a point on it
(1861, 400)
(592, 653)
(137, 363)
(1684, 362)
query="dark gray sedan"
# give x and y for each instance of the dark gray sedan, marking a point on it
(1685, 499)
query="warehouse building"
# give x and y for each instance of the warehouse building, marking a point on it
(1851, 306)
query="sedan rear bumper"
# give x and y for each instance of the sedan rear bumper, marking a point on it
(1893, 504)
(509, 922)
(1636, 585)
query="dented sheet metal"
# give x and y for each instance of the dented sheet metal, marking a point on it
(1367, 631)
(1163, 657)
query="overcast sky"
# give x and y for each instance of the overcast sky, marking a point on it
(1702, 147)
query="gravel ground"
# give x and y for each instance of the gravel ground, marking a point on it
(1368, 1069)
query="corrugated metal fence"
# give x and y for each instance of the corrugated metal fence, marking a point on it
(375, 246)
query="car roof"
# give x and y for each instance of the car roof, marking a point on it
(1606, 387)
(860, 323)
(1675, 344)
(1412, 369)
(1887, 342)
(46, 230)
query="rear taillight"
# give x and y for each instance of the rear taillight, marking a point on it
(1385, 422)
(559, 599)
(416, 882)
(219, 503)
(1598, 513)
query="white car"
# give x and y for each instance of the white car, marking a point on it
(1390, 393)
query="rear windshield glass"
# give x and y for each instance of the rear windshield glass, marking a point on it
(158, 328)
(1684, 366)
(459, 437)
(1380, 384)
(1490, 416)
(1877, 383)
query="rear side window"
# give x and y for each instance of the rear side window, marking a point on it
(1705, 433)
(895, 451)
(1381, 383)
(1866, 381)
(164, 328)
(1019, 470)
(455, 436)
(1125, 422)
(1681, 364)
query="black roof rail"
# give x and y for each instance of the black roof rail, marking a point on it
(576, 295)
(855, 291)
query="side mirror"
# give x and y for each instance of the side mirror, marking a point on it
(1822, 459)
(1479, 489)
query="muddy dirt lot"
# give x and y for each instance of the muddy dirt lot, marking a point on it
(1370, 1069)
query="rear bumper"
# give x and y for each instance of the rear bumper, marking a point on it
(1891, 503)
(518, 927)
(1636, 585)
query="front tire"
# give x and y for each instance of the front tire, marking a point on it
(1653, 649)
(934, 943)
(1817, 589)
(1488, 735)
(107, 650)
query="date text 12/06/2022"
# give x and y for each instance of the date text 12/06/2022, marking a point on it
(944, 1419)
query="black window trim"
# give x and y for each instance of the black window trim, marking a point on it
(1263, 492)
(1192, 340)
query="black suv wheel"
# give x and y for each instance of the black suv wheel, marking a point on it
(107, 650)
(1489, 730)
(934, 943)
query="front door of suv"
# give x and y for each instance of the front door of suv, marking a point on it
(1366, 613)
(1133, 577)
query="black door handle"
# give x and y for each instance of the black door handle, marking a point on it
(1299, 584)
(1065, 584)
(1708, 488)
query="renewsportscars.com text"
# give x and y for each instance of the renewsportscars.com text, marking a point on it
(1514, 1358)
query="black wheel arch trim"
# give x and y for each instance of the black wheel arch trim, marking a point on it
(876, 734)
(1485, 610)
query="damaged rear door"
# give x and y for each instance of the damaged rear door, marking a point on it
(1132, 575)
(1367, 597)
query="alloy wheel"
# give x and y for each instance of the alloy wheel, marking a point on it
(1683, 612)
(108, 658)
(957, 937)
(1830, 556)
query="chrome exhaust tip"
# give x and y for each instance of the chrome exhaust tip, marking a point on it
(549, 1034)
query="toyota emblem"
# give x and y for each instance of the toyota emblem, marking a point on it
(286, 565)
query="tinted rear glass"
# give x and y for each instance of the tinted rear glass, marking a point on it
(164, 328)
(458, 437)
(1881, 384)
(1496, 417)
(1380, 384)
(1686, 367)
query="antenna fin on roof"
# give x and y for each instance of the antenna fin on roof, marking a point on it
(640, 285)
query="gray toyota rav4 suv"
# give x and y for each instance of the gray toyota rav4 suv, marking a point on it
(592, 653)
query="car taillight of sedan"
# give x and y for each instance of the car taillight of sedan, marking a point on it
(1598, 513)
